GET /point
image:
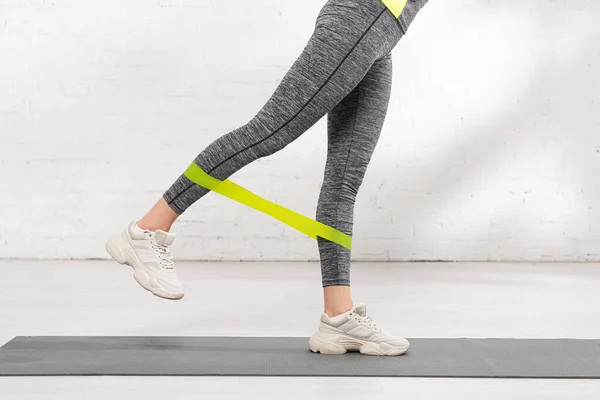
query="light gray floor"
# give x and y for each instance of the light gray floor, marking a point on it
(284, 299)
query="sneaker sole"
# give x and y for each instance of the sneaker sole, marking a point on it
(340, 344)
(121, 251)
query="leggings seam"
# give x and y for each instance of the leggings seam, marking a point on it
(348, 155)
(339, 191)
(301, 109)
(400, 26)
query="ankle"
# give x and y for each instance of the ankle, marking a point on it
(337, 300)
(161, 216)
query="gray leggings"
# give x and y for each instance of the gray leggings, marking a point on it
(344, 71)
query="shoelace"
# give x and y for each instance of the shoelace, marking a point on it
(372, 324)
(368, 321)
(164, 255)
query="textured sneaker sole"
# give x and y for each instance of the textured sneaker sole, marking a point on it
(120, 250)
(332, 344)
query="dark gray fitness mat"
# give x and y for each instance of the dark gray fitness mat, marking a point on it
(262, 356)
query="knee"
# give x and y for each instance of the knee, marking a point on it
(261, 140)
(269, 146)
(346, 190)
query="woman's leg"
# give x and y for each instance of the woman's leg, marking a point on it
(349, 36)
(354, 126)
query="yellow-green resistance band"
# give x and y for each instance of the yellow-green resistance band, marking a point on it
(297, 221)
(395, 6)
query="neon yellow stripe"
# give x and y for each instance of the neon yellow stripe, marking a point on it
(395, 6)
(297, 221)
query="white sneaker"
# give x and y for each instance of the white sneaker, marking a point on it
(149, 255)
(354, 331)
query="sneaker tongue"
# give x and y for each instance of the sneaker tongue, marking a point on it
(164, 238)
(361, 309)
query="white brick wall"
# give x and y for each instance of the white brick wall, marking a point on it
(491, 149)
